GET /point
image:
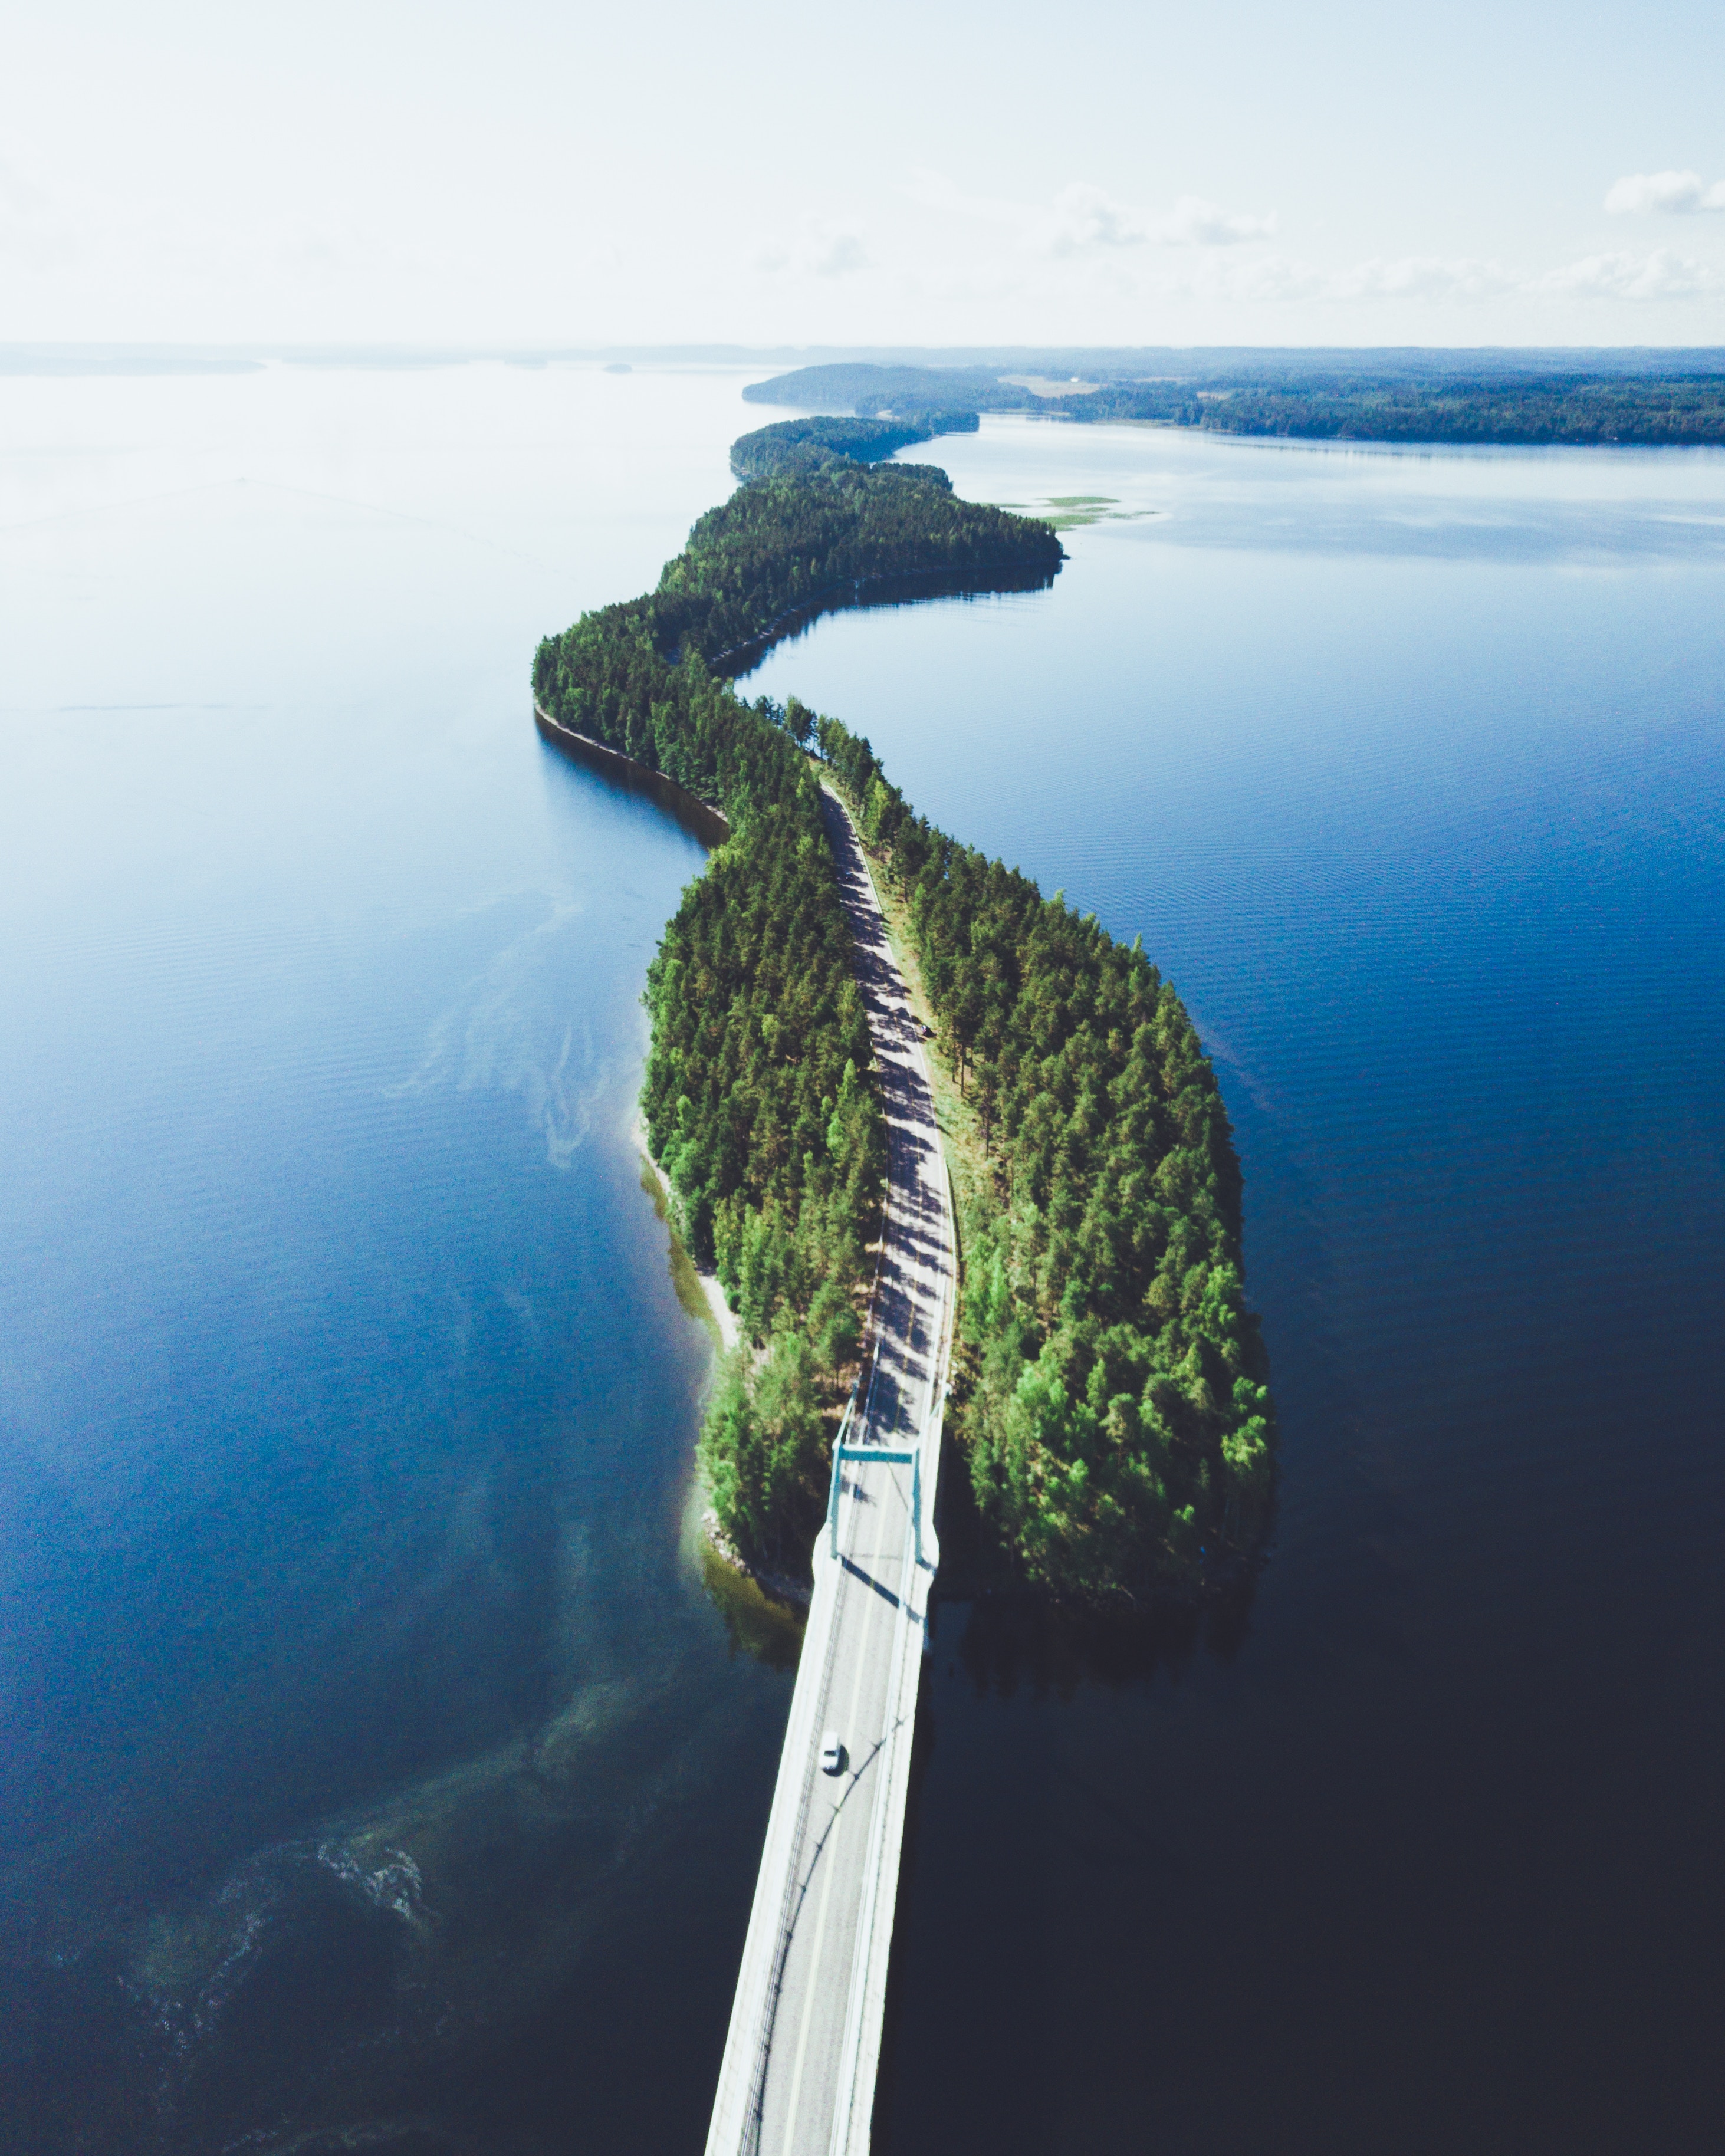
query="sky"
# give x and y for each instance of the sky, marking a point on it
(1083, 173)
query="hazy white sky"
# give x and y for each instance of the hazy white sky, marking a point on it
(1087, 171)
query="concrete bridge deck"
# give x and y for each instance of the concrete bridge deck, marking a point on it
(799, 2073)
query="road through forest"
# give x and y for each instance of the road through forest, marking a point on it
(798, 2073)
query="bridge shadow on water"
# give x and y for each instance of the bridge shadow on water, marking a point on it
(1007, 1643)
(994, 1639)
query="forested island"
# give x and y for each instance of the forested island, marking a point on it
(1111, 1401)
(1366, 401)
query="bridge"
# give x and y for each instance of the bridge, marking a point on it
(797, 2077)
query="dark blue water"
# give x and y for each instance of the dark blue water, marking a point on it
(378, 1770)
(1412, 773)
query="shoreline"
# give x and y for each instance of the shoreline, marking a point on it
(722, 1321)
(710, 825)
(779, 1585)
(884, 587)
(717, 1312)
(713, 827)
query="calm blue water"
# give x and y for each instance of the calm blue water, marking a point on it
(1411, 770)
(374, 1759)
(378, 1770)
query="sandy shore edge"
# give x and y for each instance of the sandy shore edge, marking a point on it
(724, 1319)
(724, 1323)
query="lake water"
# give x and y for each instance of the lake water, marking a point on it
(378, 1770)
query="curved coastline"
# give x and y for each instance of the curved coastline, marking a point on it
(710, 825)
(713, 828)
(1111, 1387)
(895, 587)
(702, 1296)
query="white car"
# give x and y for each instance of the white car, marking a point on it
(832, 1755)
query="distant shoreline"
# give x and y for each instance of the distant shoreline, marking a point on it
(1500, 401)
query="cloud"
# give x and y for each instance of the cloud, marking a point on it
(1663, 194)
(1419, 277)
(84, 239)
(1098, 251)
(817, 250)
(1660, 275)
(938, 191)
(1281, 279)
(33, 228)
(840, 254)
(1193, 222)
(18, 198)
(1084, 219)
(1441, 281)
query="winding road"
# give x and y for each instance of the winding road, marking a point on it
(798, 2072)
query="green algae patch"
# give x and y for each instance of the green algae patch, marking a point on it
(758, 1624)
(1066, 512)
(685, 1279)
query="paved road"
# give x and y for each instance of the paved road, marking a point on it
(798, 2077)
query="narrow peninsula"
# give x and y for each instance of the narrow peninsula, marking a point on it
(1111, 1397)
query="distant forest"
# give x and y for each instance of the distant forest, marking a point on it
(1114, 1415)
(820, 444)
(1511, 406)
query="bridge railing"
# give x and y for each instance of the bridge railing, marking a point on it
(881, 1458)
